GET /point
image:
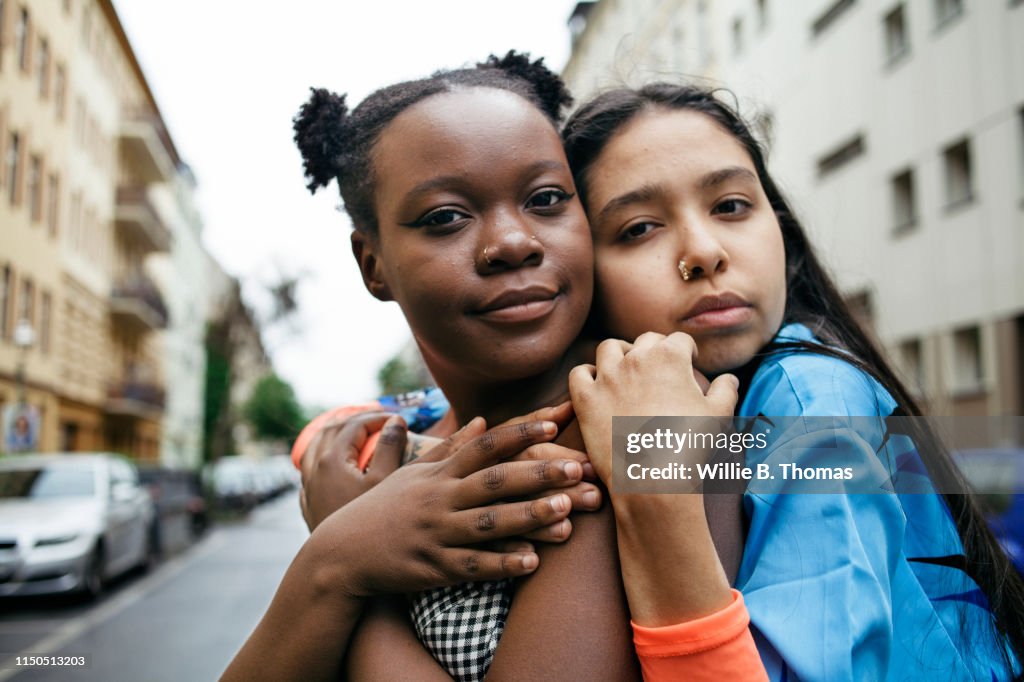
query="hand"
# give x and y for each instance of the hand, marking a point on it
(331, 477)
(417, 528)
(653, 376)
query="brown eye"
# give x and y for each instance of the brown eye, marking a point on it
(548, 198)
(444, 217)
(637, 231)
(733, 207)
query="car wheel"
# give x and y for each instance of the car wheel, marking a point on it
(92, 581)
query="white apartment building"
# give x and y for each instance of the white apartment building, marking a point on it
(896, 128)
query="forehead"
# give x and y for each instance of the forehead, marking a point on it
(462, 132)
(659, 141)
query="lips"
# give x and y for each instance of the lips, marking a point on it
(723, 310)
(518, 305)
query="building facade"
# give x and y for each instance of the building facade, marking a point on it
(897, 130)
(84, 153)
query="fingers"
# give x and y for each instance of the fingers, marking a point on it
(701, 380)
(497, 444)
(646, 340)
(581, 379)
(610, 352)
(724, 393)
(452, 443)
(387, 456)
(560, 414)
(555, 451)
(515, 479)
(466, 565)
(504, 520)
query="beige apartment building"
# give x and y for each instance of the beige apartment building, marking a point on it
(82, 147)
(896, 127)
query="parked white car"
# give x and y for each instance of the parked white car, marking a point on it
(69, 522)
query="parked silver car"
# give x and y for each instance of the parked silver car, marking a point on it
(68, 522)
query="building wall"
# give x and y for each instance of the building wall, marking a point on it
(946, 287)
(83, 115)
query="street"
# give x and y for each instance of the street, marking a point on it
(182, 621)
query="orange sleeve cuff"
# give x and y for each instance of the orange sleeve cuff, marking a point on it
(312, 428)
(716, 647)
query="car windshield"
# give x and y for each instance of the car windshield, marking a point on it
(47, 481)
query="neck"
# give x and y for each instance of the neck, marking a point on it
(498, 400)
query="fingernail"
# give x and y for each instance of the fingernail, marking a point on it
(562, 529)
(592, 498)
(530, 561)
(572, 469)
(550, 428)
(560, 503)
(588, 470)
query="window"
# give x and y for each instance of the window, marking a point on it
(829, 16)
(11, 164)
(53, 204)
(703, 34)
(957, 161)
(60, 86)
(35, 188)
(968, 370)
(43, 68)
(21, 39)
(1020, 147)
(737, 36)
(762, 14)
(6, 292)
(842, 155)
(897, 40)
(904, 204)
(947, 10)
(911, 362)
(25, 308)
(44, 323)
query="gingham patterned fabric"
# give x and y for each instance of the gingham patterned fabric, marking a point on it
(461, 625)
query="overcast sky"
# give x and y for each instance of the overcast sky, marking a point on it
(228, 76)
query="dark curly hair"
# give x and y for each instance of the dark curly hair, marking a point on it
(336, 143)
(813, 299)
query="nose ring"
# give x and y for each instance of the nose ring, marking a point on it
(683, 270)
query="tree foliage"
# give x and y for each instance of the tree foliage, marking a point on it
(273, 410)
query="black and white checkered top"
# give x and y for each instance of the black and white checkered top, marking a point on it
(461, 625)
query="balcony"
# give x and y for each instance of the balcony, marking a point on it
(135, 301)
(138, 221)
(147, 148)
(131, 398)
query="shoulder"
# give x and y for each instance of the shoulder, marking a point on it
(806, 383)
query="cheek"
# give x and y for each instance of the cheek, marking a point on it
(626, 302)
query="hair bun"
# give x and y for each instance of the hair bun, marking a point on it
(548, 85)
(320, 134)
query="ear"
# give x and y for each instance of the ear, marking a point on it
(364, 251)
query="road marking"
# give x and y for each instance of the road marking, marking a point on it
(52, 644)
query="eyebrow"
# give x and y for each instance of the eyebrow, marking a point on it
(648, 192)
(442, 181)
(644, 193)
(724, 175)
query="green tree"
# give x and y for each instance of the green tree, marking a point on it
(273, 411)
(396, 376)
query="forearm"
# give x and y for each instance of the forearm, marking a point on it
(304, 633)
(384, 647)
(670, 567)
(570, 620)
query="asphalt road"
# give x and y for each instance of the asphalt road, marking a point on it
(182, 621)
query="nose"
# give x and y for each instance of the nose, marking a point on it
(703, 251)
(507, 244)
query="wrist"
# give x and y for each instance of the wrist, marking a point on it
(334, 574)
